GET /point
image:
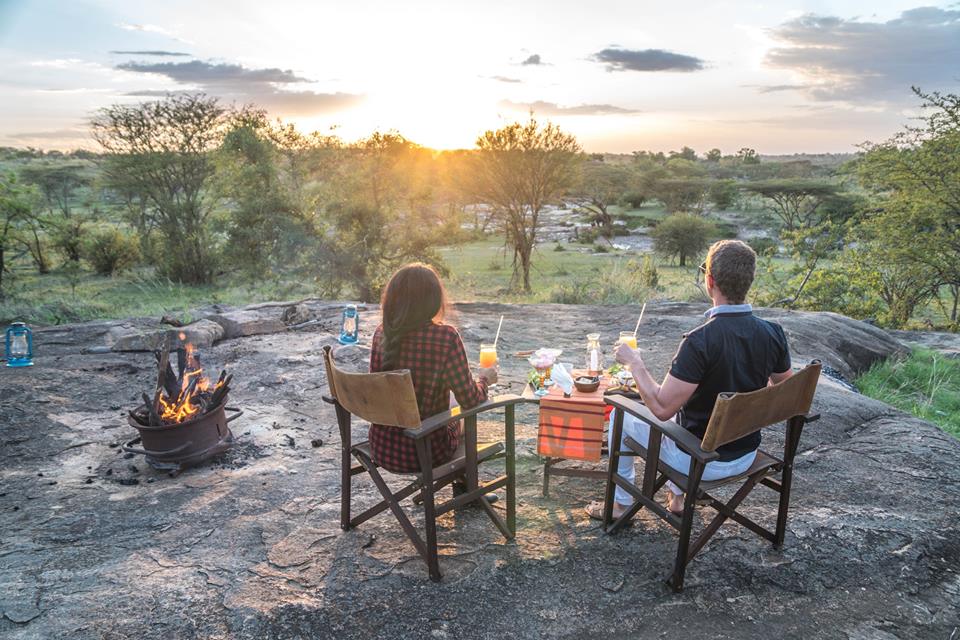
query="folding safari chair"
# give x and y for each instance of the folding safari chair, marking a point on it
(735, 415)
(388, 398)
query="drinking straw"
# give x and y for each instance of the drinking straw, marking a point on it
(498, 332)
(642, 309)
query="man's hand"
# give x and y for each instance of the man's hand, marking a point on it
(628, 356)
(489, 373)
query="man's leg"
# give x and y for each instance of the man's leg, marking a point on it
(671, 454)
(639, 431)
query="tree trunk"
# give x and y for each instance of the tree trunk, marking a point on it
(3, 267)
(955, 292)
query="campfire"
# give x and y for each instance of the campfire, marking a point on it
(184, 421)
(183, 395)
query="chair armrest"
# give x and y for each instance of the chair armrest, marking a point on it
(684, 439)
(810, 417)
(328, 400)
(441, 420)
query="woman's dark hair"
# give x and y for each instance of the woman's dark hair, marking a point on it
(413, 297)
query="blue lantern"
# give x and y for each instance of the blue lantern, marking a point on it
(350, 325)
(19, 345)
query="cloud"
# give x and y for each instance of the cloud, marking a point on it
(647, 60)
(552, 109)
(532, 60)
(775, 88)
(852, 60)
(208, 73)
(169, 54)
(146, 28)
(236, 83)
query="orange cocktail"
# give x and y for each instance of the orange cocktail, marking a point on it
(628, 338)
(488, 356)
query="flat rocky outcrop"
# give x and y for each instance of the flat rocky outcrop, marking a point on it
(95, 544)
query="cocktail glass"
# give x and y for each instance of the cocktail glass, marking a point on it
(488, 357)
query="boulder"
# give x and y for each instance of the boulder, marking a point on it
(296, 314)
(946, 343)
(202, 334)
(249, 322)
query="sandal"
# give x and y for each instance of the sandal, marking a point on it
(595, 510)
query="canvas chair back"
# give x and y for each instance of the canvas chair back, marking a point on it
(386, 398)
(739, 414)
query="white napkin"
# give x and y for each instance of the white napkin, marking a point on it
(563, 378)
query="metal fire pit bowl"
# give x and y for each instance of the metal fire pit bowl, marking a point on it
(175, 447)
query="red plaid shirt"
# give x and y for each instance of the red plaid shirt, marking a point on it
(438, 364)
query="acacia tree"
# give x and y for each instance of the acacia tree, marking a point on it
(796, 203)
(14, 208)
(915, 177)
(520, 169)
(381, 213)
(59, 183)
(162, 151)
(601, 186)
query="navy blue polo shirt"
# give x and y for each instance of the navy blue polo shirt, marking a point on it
(732, 351)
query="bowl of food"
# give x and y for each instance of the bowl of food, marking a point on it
(586, 384)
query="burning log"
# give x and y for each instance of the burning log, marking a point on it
(184, 395)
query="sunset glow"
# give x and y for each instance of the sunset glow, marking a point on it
(779, 77)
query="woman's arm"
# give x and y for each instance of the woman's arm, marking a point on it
(469, 393)
(376, 351)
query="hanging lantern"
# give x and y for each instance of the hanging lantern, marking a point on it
(19, 345)
(350, 325)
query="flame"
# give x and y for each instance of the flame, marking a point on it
(183, 407)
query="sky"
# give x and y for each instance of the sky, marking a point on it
(779, 77)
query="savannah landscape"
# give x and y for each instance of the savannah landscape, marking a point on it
(184, 185)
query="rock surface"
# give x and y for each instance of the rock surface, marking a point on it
(99, 545)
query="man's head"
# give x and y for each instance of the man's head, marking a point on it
(729, 269)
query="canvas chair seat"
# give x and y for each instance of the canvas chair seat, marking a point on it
(734, 416)
(764, 463)
(456, 464)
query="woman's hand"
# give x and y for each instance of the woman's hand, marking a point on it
(489, 373)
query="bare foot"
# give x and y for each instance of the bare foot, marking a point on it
(675, 503)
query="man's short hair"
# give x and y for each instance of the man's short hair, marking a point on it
(732, 264)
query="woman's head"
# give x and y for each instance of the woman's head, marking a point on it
(413, 296)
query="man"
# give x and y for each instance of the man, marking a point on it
(732, 351)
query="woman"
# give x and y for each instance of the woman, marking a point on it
(413, 336)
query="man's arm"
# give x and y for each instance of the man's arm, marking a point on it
(777, 378)
(663, 400)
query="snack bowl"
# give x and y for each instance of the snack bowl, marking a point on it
(586, 384)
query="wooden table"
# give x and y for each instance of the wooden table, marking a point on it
(579, 400)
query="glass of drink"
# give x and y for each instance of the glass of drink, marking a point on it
(629, 338)
(488, 356)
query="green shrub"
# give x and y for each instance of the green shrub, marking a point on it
(494, 265)
(682, 236)
(601, 248)
(763, 245)
(648, 275)
(559, 247)
(110, 251)
(633, 199)
(622, 283)
(587, 235)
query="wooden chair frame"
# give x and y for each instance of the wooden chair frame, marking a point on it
(763, 471)
(430, 478)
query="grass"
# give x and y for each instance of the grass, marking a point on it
(50, 299)
(553, 273)
(926, 384)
